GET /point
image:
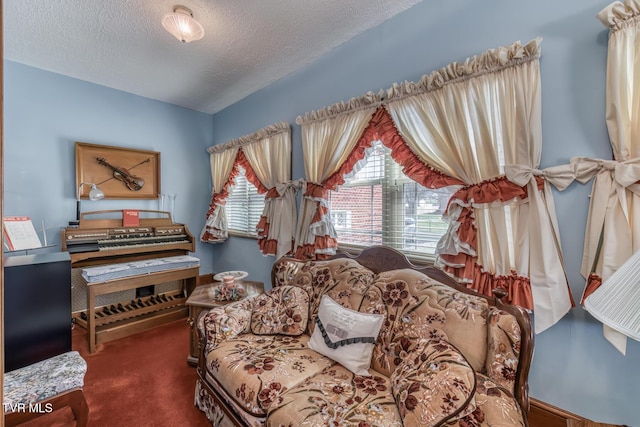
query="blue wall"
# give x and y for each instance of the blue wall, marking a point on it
(574, 367)
(46, 113)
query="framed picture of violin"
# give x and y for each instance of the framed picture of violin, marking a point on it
(121, 173)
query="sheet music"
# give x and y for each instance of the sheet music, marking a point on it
(20, 233)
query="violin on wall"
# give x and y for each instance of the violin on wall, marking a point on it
(133, 183)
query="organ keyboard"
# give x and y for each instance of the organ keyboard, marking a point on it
(100, 241)
(105, 241)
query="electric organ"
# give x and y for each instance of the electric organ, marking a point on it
(115, 259)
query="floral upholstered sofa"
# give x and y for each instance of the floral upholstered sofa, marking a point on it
(441, 355)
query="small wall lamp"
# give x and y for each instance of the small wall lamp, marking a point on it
(94, 194)
(182, 25)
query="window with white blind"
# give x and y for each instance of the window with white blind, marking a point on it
(378, 205)
(244, 207)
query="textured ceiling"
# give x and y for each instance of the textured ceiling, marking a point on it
(247, 45)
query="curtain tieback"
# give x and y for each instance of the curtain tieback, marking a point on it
(559, 176)
(295, 185)
(625, 174)
(279, 190)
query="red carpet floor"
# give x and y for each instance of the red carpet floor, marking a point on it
(140, 380)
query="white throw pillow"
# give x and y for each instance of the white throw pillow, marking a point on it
(346, 336)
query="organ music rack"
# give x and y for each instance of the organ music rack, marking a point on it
(103, 241)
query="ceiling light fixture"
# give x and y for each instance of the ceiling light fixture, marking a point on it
(182, 25)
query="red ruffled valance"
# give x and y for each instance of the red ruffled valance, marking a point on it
(518, 287)
(490, 191)
(498, 189)
(269, 246)
(473, 274)
(359, 152)
(593, 282)
(272, 193)
(262, 228)
(307, 252)
(207, 236)
(412, 166)
(485, 192)
(249, 173)
(219, 198)
(316, 191)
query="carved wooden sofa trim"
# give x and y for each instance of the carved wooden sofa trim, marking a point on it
(444, 356)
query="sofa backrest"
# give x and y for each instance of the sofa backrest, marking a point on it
(415, 305)
(345, 281)
(420, 307)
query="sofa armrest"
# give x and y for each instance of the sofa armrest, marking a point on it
(433, 384)
(224, 322)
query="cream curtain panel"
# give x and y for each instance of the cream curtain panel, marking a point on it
(475, 125)
(328, 140)
(613, 227)
(266, 157)
(470, 121)
(215, 228)
(270, 159)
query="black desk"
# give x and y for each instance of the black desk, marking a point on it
(37, 308)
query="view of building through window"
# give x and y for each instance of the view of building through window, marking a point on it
(378, 204)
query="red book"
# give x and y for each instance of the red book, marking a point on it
(130, 218)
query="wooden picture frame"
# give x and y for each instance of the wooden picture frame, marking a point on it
(122, 173)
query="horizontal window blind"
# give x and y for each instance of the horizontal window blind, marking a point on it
(378, 204)
(244, 207)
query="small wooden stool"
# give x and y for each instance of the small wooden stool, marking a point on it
(44, 387)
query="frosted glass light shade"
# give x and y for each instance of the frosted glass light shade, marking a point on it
(95, 193)
(182, 25)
